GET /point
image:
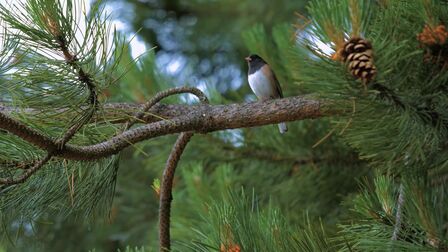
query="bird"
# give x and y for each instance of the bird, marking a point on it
(263, 82)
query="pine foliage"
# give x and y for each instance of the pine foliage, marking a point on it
(371, 178)
(396, 122)
(57, 60)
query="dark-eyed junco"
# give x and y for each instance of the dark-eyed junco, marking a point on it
(263, 82)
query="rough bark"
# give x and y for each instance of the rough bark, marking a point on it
(166, 196)
(180, 118)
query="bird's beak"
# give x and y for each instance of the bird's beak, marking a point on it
(247, 59)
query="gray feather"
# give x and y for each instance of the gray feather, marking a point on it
(282, 127)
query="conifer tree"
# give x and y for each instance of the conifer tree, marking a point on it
(369, 174)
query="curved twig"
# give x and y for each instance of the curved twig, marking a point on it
(160, 96)
(166, 196)
(171, 164)
(84, 78)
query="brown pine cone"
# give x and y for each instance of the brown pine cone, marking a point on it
(357, 54)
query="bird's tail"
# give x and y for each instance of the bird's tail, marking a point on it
(282, 127)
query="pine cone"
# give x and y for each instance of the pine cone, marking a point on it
(358, 55)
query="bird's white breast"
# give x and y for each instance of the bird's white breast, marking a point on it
(260, 85)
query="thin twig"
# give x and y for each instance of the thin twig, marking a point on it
(398, 215)
(84, 78)
(40, 163)
(160, 96)
(166, 190)
(323, 139)
(18, 165)
(24, 176)
(171, 164)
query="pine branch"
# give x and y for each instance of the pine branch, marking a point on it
(72, 131)
(85, 78)
(60, 143)
(19, 165)
(24, 176)
(198, 118)
(52, 29)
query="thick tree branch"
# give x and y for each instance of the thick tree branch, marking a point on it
(198, 118)
(121, 112)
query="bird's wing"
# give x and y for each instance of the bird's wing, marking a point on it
(272, 79)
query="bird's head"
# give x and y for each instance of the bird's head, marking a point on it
(254, 58)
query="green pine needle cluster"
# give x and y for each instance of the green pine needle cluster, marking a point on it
(57, 60)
